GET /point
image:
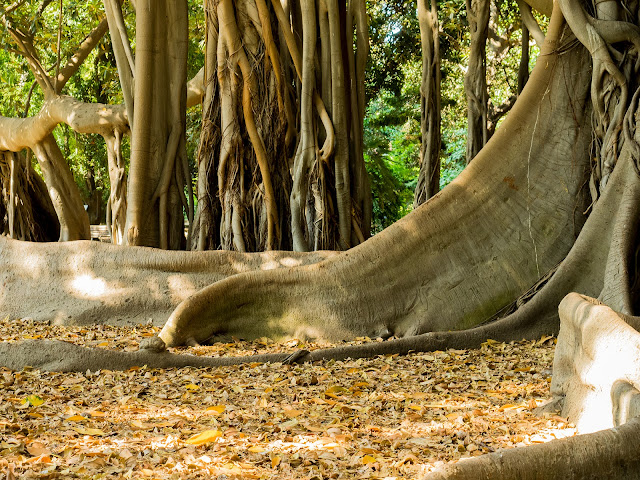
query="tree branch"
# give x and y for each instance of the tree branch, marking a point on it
(28, 51)
(11, 8)
(19, 133)
(87, 45)
(530, 22)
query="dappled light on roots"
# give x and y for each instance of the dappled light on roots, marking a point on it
(89, 285)
(390, 416)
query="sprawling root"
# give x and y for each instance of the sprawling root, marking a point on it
(472, 250)
(92, 282)
(596, 372)
(610, 454)
(57, 356)
(596, 376)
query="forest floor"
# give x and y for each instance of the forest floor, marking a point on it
(390, 417)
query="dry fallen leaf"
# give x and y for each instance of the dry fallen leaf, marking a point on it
(37, 448)
(207, 436)
(384, 417)
(33, 400)
(75, 418)
(292, 412)
(216, 409)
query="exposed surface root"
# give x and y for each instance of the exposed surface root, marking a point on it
(596, 371)
(596, 374)
(611, 454)
(92, 282)
(58, 356)
(451, 264)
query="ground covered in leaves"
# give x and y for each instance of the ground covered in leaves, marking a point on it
(389, 417)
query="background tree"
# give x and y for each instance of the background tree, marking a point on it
(36, 133)
(159, 172)
(490, 257)
(256, 53)
(475, 80)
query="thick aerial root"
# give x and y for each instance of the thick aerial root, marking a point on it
(160, 103)
(118, 186)
(429, 177)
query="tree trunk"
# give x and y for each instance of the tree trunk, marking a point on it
(117, 203)
(155, 193)
(74, 221)
(429, 176)
(26, 211)
(475, 80)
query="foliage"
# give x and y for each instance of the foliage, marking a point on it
(394, 40)
(391, 158)
(96, 81)
(454, 143)
(392, 123)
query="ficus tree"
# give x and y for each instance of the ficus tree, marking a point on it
(490, 256)
(495, 28)
(156, 164)
(522, 206)
(34, 133)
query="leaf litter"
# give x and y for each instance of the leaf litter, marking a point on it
(389, 417)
